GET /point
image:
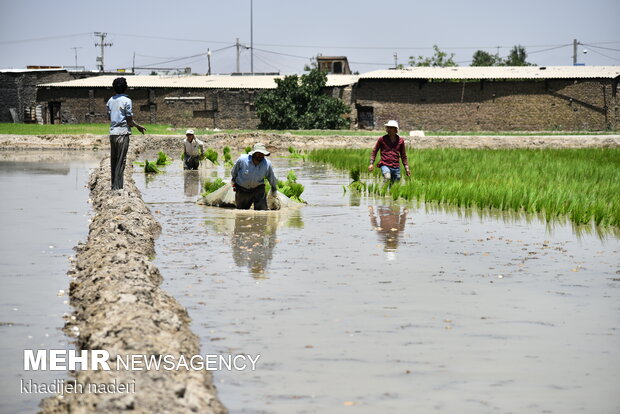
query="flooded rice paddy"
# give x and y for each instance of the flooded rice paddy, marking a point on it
(367, 305)
(43, 215)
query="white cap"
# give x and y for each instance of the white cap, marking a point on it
(189, 132)
(392, 123)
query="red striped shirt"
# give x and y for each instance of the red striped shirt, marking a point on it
(391, 152)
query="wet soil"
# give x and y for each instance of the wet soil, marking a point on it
(281, 142)
(376, 306)
(120, 308)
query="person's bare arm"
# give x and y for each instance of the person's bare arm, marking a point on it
(133, 123)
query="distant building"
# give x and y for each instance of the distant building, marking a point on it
(335, 65)
(525, 98)
(18, 93)
(219, 101)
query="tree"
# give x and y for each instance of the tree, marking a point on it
(517, 57)
(299, 103)
(439, 59)
(482, 58)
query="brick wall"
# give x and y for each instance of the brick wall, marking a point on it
(207, 108)
(491, 105)
(19, 90)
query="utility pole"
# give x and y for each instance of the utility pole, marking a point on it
(75, 50)
(209, 60)
(252, 36)
(395, 60)
(102, 45)
(237, 45)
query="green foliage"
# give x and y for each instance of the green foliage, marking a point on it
(163, 159)
(210, 186)
(354, 174)
(580, 184)
(299, 103)
(248, 149)
(439, 59)
(517, 57)
(482, 58)
(209, 154)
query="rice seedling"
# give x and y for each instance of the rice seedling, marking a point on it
(293, 153)
(163, 159)
(209, 154)
(582, 185)
(227, 156)
(150, 167)
(290, 188)
(210, 186)
(248, 149)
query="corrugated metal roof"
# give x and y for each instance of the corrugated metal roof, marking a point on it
(32, 70)
(192, 82)
(498, 72)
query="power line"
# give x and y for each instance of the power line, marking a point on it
(608, 57)
(600, 47)
(37, 39)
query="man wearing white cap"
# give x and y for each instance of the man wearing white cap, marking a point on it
(193, 149)
(248, 179)
(392, 149)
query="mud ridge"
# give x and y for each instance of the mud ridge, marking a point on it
(119, 307)
(281, 142)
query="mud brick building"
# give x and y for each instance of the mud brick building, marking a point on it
(219, 101)
(18, 92)
(490, 98)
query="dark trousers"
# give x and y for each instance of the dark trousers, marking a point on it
(244, 197)
(191, 162)
(119, 144)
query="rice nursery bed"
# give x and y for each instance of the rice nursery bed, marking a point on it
(581, 184)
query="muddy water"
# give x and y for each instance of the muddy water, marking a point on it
(373, 306)
(43, 214)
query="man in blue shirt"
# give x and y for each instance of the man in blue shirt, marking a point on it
(121, 120)
(248, 179)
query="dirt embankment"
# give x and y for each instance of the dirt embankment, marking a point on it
(119, 307)
(281, 142)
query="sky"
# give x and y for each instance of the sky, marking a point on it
(286, 34)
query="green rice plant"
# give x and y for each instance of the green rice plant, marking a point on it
(290, 188)
(248, 149)
(210, 186)
(354, 174)
(293, 153)
(163, 159)
(227, 156)
(150, 167)
(209, 154)
(582, 185)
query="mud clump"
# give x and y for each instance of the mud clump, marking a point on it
(119, 307)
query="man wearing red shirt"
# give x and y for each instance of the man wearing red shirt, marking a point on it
(392, 149)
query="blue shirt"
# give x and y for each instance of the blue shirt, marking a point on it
(119, 108)
(250, 176)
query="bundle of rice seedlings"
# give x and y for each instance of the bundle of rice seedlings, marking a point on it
(163, 159)
(248, 149)
(227, 156)
(150, 167)
(210, 186)
(210, 154)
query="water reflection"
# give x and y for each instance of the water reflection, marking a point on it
(253, 241)
(191, 183)
(389, 222)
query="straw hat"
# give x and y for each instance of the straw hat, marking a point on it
(258, 147)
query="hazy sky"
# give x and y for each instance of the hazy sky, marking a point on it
(287, 33)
